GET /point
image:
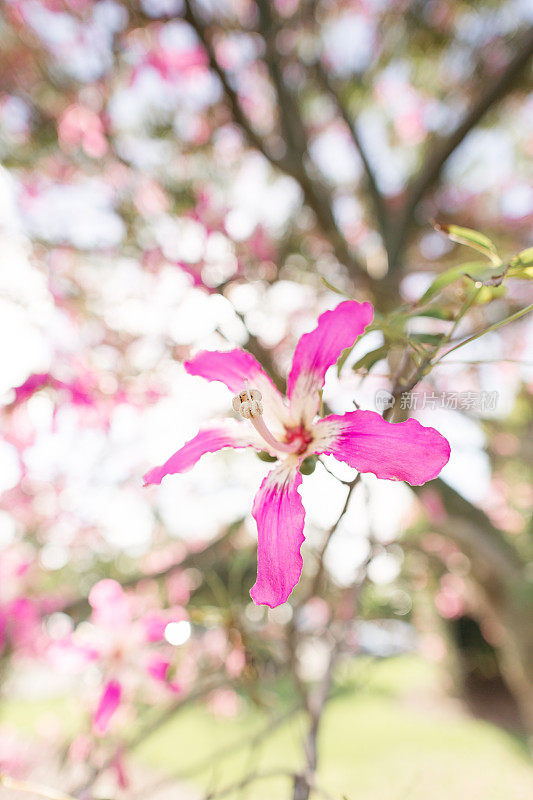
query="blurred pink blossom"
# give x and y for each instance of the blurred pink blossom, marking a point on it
(109, 702)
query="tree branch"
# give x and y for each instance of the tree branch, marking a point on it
(316, 194)
(293, 164)
(232, 97)
(469, 526)
(327, 85)
(431, 170)
(304, 783)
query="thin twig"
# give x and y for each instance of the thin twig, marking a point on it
(329, 536)
(247, 780)
(164, 717)
(494, 327)
(246, 741)
(340, 480)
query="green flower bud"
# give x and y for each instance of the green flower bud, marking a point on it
(307, 467)
(264, 456)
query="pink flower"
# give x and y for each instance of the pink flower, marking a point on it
(78, 394)
(79, 126)
(159, 668)
(110, 604)
(154, 627)
(66, 655)
(288, 429)
(109, 702)
(22, 624)
(32, 385)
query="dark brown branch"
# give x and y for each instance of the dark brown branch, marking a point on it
(232, 97)
(315, 193)
(431, 170)
(471, 528)
(326, 83)
(495, 92)
(321, 202)
(304, 783)
(292, 125)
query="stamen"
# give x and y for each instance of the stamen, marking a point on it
(262, 430)
(248, 405)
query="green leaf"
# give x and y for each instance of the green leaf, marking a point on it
(371, 358)
(521, 266)
(488, 293)
(523, 259)
(393, 327)
(426, 338)
(450, 276)
(334, 288)
(346, 353)
(490, 276)
(471, 238)
(434, 313)
(524, 273)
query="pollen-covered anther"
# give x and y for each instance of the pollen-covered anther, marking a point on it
(248, 403)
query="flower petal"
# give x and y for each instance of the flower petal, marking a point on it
(208, 440)
(109, 702)
(319, 349)
(402, 451)
(280, 516)
(232, 367)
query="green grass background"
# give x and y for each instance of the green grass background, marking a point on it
(389, 734)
